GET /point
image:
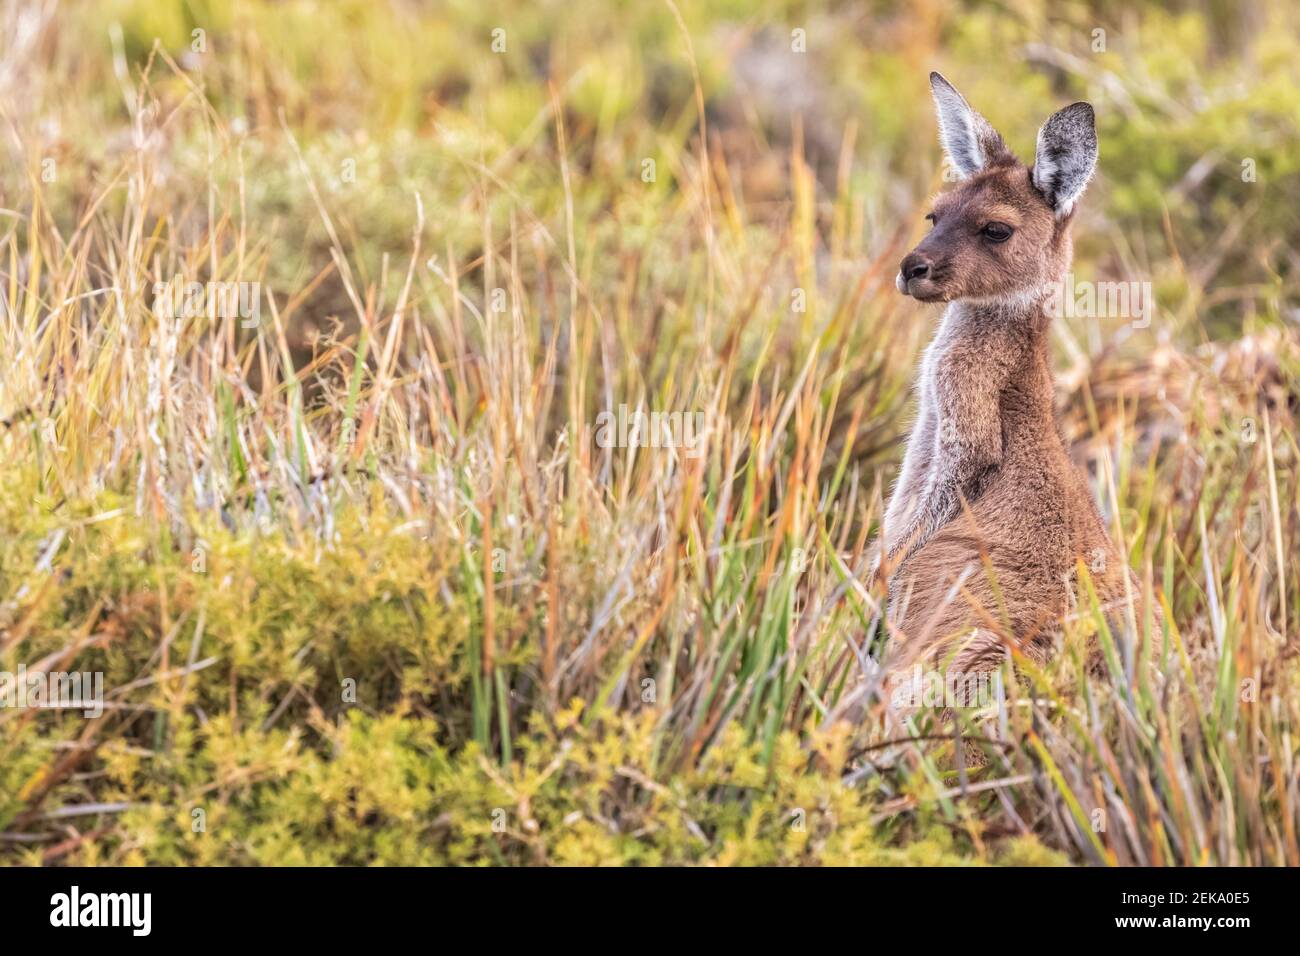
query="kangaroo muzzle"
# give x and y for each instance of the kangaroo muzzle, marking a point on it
(916, 277)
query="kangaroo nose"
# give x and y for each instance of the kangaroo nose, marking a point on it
(915, 267)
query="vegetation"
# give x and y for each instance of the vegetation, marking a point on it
(364, 580)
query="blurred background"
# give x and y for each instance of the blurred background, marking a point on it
(1196, 103)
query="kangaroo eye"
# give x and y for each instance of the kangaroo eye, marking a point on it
(929, 217)
(997, 231)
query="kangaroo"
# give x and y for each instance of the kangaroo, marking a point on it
(986, 473)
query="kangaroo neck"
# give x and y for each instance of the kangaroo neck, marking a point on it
(1014, 332)
(1025, 316)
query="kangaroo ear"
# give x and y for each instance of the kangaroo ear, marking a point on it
(968, 139)
(1066, 157)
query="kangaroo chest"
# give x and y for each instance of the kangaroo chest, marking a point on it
(955, 326)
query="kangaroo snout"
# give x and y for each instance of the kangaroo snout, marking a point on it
(916, 276)
(915, 266)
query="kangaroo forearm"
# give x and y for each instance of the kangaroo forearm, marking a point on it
(936, 508)
(958, 477)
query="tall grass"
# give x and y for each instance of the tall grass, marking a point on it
(392, 485)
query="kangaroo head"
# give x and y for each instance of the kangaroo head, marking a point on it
(1004, 232)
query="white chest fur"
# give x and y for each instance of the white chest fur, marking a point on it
(920, 454)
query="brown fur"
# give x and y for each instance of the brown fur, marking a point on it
(990, 518)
